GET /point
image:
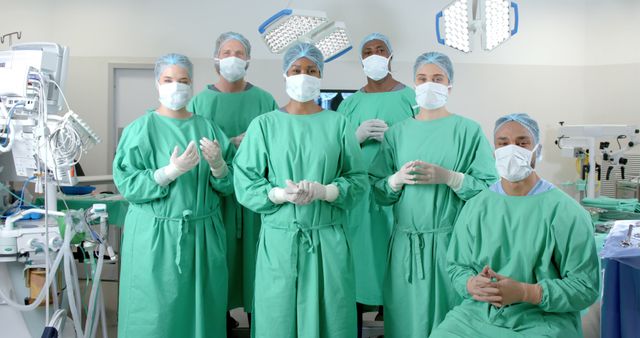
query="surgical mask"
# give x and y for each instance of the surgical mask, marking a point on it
(174, 95)
(232, 68)
(303, 87)
(376, 67)
(431, 95)
(514, 162)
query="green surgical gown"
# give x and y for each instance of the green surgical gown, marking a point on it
(233, 112)
(417, 289)
(304, 272)
(370, 224)
(173, 278)
(545, 239)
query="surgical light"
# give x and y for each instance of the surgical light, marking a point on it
(456, 25)
(292, 25)
(287, 26)
(497, 25)
(463, 18)
(333, 41)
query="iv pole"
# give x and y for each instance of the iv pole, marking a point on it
(10, 36)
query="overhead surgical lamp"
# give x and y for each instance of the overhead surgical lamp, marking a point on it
(292, 25)
(463, 18)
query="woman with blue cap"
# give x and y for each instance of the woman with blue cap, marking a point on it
(522, 255)
(173, 278)
(232, 103)
(427, 168)
(300, 167)
(381, 103)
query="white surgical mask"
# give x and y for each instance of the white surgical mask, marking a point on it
(514, 162)
(174, 95)
(431, 95)
(376, 67)
(303, 87)
(232, 68)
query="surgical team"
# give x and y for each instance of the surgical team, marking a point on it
(308, 217)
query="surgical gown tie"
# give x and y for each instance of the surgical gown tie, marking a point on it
(302, 231)
(186, 218)
(416, 247)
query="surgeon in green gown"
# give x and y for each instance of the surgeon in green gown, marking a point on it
(301, 168)
(381, 103)
(232, 103)
(427, 168)
(522, 254)
(173, 278)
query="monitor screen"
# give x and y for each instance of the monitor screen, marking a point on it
(331, 98)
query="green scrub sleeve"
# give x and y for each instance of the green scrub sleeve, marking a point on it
(482, 171)
(383, 166)
(575, 256)
(460, 256)
(352, 183)
(250, 172)
(133, 177)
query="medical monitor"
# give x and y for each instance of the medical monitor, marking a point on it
(331, 98)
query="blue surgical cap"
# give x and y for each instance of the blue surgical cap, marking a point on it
(303, 50)
(376, 36)
(438, 59)
(224, 37)
(525, 120)
(170, 60)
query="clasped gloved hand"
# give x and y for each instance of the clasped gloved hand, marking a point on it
(316, 191)
(482, 288)
(499, 290)
(178, 164)
(513, 291)
(419, 172)
(403, 176)
(303, 193)
(213, 155)
(371, 129)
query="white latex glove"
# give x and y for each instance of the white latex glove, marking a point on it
(403, 176)
(304, 193)
(213, 155)
(371, 129)
(236, 140)
(291, 193)
(317, 191)
(178, 164)
(426, 173)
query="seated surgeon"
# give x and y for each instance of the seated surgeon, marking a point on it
(522, 253)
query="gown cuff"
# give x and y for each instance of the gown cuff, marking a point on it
(221, 171)
(277, 195)
(455, 180)
(332, 193)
